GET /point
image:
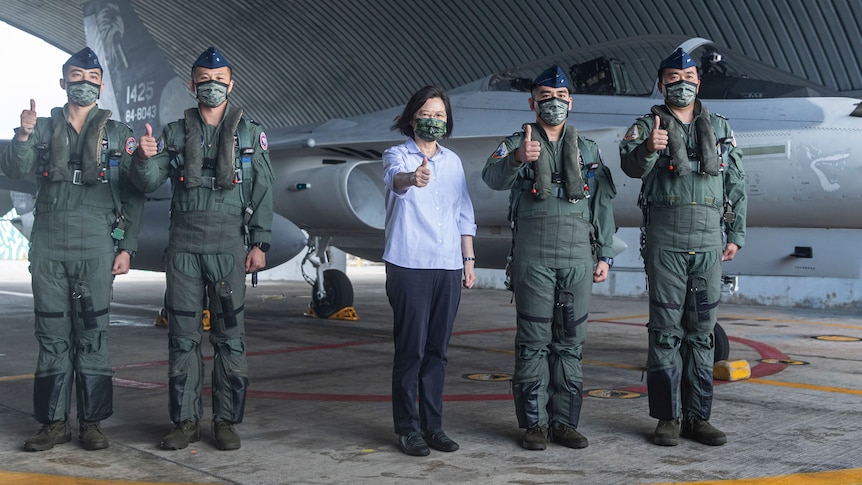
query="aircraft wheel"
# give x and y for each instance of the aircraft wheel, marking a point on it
(339, 294)
(722, 345)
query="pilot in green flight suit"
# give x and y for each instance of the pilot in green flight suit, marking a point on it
(693, 186)
(563, 225)
(221, 221)
(87, 219)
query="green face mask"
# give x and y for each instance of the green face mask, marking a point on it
(211, 93)
(553, 111)
(82, 93)
(430, 129)
(680, 93)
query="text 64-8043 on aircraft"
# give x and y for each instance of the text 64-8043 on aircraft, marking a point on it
(802, 146)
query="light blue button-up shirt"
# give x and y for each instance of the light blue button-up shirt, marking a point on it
(424, 225)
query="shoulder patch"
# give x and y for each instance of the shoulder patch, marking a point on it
(264, 144)
(634, 133)
(131, 145)
(160, 145)
(501, 151)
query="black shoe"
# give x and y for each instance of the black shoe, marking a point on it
(438, 440)
(49, 435)
(181, 435)
(91, 437)
(413, 444)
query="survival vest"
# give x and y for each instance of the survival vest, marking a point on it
(539, 178)
(101, 143)
(713, 142)
(232, 168)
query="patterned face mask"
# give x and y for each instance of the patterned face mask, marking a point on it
(680, 93)
(82, 93)
(553, 111)
(430, 129)
(211, 93)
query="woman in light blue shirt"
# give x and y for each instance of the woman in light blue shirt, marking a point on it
(429, 241)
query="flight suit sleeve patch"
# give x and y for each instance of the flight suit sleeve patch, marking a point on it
(160, 145)
(501, 151)
(131, 145)
(264, 144)
(634, 133)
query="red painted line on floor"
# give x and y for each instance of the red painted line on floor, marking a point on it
(259, 353)
(759, 370)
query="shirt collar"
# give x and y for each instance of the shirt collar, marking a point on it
(412, 147)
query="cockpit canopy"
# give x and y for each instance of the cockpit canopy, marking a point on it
(629, 67)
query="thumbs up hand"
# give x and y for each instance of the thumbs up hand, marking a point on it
(147, 146)
(529, 150)
(28, 122)
(422, 175)
(657, 138)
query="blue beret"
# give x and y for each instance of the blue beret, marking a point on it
(679, 59)
(84, 58)
(211, 59)
(553, 77)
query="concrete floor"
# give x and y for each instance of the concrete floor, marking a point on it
(318, 410)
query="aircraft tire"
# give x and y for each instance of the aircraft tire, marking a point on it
(339, 294)
(722, 345)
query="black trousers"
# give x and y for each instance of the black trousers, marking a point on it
(424, 304)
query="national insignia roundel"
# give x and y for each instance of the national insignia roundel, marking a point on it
(131, 145)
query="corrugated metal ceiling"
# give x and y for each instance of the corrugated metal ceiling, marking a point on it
(302, 61)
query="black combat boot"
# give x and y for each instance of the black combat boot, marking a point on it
(569, 437)
(181, 435)
(91, 437)
(225, 436)
(700, 430)
(667, 432)
(535, 438)
(51, 434)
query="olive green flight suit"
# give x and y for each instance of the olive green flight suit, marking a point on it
(683, 214)
(72, 254)
(556, 244)
(205, 258)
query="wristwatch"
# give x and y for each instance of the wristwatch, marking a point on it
(610, 261)
(262, 246)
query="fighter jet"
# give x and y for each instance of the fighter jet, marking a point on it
(801, 141)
